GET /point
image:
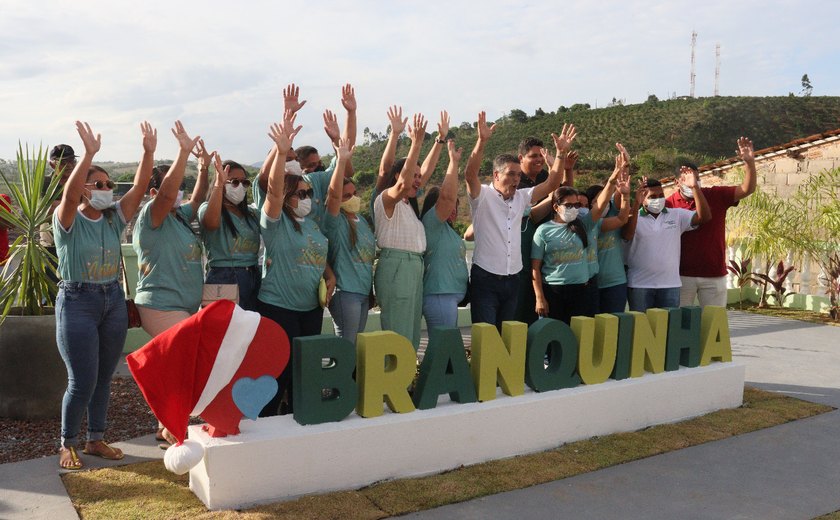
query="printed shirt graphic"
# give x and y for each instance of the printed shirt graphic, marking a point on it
(225, 250)
(353, 266)
(565, 262)
(610, 258)
(89, 251)
(293, 264)
(171, 275)
(445, 264)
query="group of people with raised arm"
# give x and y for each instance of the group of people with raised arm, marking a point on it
(537, 240)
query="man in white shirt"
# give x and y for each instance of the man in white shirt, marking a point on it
(497, 210)
(653, 259)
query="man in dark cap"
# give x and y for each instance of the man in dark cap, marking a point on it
(62, 161)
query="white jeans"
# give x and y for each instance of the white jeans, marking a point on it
(709, 291)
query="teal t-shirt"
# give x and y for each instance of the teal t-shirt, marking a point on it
(293, 264)
(610, 260)
(320, 182)
(171, 275)
(89, 252)
(592, 248)
(353, 266)
(225, 250)
(444, 260)
(564, 259)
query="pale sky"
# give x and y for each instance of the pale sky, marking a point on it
(220, 66)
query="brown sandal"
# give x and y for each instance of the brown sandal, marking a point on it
(75, 463)
(109, 452)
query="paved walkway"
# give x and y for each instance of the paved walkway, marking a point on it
(789, 471)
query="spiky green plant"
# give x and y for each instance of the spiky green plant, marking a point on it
(26, 283)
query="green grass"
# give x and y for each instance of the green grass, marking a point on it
(787, 313)
(148, 491)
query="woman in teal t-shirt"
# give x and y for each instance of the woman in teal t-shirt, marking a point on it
(90, 314)
(351, 250)
(295, 259)
(445, 276)
(231, 233)
(168, 252)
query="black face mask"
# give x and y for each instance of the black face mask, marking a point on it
(320, 168)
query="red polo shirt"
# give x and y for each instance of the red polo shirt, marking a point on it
(4, 231)
(703, 251)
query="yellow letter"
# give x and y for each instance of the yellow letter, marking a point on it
(498, 358)
(650, 334)
(386, 366)
(598, 340)
(714, 335)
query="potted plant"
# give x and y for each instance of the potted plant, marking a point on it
(32, 374)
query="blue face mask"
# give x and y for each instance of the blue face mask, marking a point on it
(101, 199)
(583, 211)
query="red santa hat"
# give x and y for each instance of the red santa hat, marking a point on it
(183, 369)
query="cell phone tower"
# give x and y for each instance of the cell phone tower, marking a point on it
(693, 44)
(717, 69)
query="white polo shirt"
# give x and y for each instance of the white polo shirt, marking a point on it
(496, 224)
(653, 258)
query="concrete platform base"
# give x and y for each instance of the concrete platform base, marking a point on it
(275, 458)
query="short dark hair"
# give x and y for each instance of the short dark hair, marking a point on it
(158, 173)
(234, 166)
(503, 160)
(592, 192)
(305, 151)
(686, 164)
(652, 183)
(528, 143)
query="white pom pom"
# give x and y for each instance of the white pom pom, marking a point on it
(181, 459)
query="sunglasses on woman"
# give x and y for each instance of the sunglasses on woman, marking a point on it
(236, 182)
(302, 194)
(570, 205)
(101, 185)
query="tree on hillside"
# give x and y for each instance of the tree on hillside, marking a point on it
(652, 99)
(518, 115)
(579, 106)
(807, 88)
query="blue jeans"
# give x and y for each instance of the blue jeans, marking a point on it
(90, 327)
(642, 299)
(349, 312)
(441, 310)
(248, 279)
(493, 297)
(613, 299)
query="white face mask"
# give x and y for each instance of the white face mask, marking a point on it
(101, 199)
(655, 205)
(568, 214)
(178, 199)
(583, 212)
(235, 195)
(688, 192)
(352, 204)
(293, 168)
(303, 208)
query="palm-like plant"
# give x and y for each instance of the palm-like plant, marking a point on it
(26, 283)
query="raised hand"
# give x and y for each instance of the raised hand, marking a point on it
(348, 97)
(484, 131)
(343, 150)
(290, 98)
(641, 191)
(690, 178)
(202, 156)
(745, 150)
(623, 151)
(417, 130)
(221, 173)
(92, 142)
(622, 162)
(396, 119)
(283, 134)
(454, 154)
(186, 142)
(571, 160)
(443, 126)
(331, 126)
(563, 142)
(623, 184)
(149, 137)
(548, 158)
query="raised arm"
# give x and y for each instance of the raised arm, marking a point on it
(262, 177)
(283, 136)
(562, 143)
(348, 100)
(746, 154)
(569, 169)
(203, 160)
(623, 200)
(448, 199)
(477, 155)
(621, 171)
(392, 195)
(541, 210)
(167, 193)
(704, 212)
(344, 154)
(130, 202)
(629, 229)
(74, 188)
(432, 158)
(212, 218)
(397, 126)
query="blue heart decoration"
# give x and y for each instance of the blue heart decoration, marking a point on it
(251, 395)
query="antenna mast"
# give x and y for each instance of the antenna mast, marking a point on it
(717, 69)
(693, 44)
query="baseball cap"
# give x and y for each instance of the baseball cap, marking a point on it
(62, 151)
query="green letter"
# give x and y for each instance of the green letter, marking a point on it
(444, 370)
(498, 358)
(310, 378)
(386, 365)
(683, 338)
(554, 335)
(598, 341)
(625, 346)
